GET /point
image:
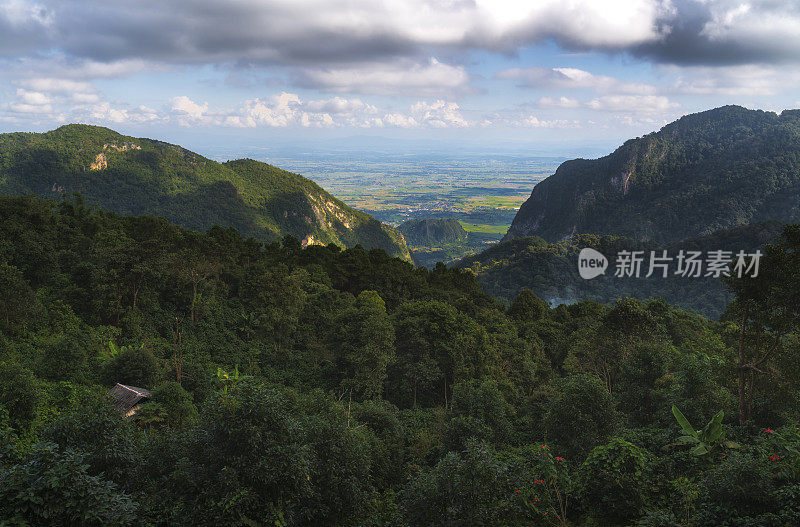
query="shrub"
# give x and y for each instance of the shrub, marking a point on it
(612, 483)
(581, 417)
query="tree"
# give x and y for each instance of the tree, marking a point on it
(365, 343)
(177, 404)
(765, 310)
(612, 481)
(19, 393)
(527, 307)
(17, 299)
(436, 347)
(474, 487)
(581, 417)
(135, 366)
(51, 487)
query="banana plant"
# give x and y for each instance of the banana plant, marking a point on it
(706, 441)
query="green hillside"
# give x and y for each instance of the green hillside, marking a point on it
(153, 376)
(550, 269)
(133, 176)
(704, 172)
(432, 232)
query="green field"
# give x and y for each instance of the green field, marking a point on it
(485, 229)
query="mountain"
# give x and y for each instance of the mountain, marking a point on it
(550, 269)
(702, 173)
(134, 176)
(432, 232)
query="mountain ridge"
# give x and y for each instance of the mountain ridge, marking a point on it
(704, 172)
(134, 176)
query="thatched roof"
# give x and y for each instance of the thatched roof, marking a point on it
(125, 398)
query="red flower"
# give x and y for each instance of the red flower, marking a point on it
(559, 459)
(774, 458)
(769, 431)
(538, 481)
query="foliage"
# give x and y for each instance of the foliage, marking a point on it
(612, 482)
(704, 442)
(134, 366)
(581, 417)
(317, 386)
(50, 487)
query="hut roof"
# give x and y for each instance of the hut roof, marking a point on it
(126, 397)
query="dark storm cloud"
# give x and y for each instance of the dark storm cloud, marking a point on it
(690, 40)
(314, 33)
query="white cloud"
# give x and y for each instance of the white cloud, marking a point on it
(339, 105)
(572, 78)
(560, 102)
(534, 122)
(34, 98)
(49, 84)
(645, 104)
(25, 108)
(403, 77)
(288, 109)
(400, 120)
(23, 12)
(187, 110)
(439, 114)
(734, 80)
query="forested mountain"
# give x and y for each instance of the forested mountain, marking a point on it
(319, 386)
(702, 173)
(551, 270)
(316, 386)
(133, 176)
(432, 232)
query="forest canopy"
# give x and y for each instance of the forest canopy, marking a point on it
(321, 386)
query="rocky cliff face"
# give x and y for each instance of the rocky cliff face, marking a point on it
(707, 171)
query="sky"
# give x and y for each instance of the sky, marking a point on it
(486, 73)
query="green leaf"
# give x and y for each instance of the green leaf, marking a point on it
(713, 430)
(687, 427)
(699, 450)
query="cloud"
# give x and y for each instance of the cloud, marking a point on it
(439, 114)
(642, 104)
(560, 102)
(727, 32)
(49, 84)
(621, 104)
(24, 26)
(106, 113)
(323, 32)
(534, 122)
(749, 80)
(572, 78)
(288, 109)
(34, 98)
(187, 110)
(403, 77)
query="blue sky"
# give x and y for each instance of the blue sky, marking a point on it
(488, 73)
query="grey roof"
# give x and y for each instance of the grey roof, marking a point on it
(126, 397)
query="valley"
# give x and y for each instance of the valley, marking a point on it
(482, 191)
